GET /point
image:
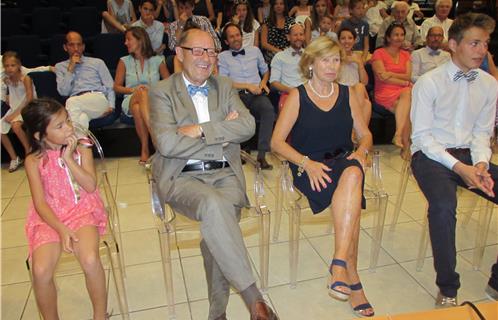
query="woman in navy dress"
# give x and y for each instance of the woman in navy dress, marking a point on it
(319, 117)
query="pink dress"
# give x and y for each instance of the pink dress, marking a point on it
(63, 200)
(386, 94)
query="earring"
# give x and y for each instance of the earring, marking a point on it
(310, 72)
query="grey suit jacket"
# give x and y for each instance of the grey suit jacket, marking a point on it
(171, 107)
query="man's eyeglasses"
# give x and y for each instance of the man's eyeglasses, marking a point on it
(198, 51)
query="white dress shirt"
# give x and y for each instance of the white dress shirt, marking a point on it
(453, 114)
(425, 59)
(435, 22)
(201, 108)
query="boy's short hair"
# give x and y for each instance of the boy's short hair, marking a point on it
(468, 20)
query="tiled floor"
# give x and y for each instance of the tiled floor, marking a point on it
(395, 287)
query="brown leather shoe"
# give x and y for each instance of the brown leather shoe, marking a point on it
(261, 311)
(264, 164)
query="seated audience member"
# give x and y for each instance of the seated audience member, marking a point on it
(414, 11)
(319, 9)
(166, 11)
(353, 73)
(319, 117)
(301, 11)
(204, 8)
(325, 28)
(185, 12)
(440, 19)
(341, 12)
(17, 91)
(243, 17)
(134, 76)
(223, 10)
(264, 11)
(453, 110)
(375, 15)
(392, 69)
(274, 30)
(284, 66)
(154, 28)
(86, 81)
(198, 122)
(245, 67)
(357, 23)
(399, 16)
(430, 56)
(119, 16)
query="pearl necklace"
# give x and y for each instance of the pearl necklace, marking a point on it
(319, 95)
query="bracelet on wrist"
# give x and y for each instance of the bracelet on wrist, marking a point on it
(300, 169)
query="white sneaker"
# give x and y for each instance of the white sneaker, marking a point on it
(15, 164)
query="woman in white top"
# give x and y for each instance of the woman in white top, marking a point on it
(119, 15)
(242, 15)
(353, 71)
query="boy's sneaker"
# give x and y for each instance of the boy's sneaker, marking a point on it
(15, 164)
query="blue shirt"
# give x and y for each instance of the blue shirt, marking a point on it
(243, 68)
(89, 75)
(285, 68)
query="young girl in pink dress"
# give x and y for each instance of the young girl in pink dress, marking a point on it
(66, 212)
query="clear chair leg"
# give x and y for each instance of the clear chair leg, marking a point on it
(118, 277)
(380, 220)
(165, 244)
(294, 222)
(485, 215)
(264, 249)
(405, 174)
(424, 243)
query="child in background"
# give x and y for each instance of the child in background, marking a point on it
(360, 26)
(66, 212)
(119, 16)
(264, 11)
(302, 12)
(341, 12)
(325, 28)
(20, 91)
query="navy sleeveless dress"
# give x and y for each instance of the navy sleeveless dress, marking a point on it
(323, 136)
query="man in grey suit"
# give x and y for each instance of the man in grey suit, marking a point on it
(198, 122)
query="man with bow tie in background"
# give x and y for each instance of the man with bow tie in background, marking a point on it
(198, 123)
(453, 109)
(245, 67)
(285, 73)
(430, 56)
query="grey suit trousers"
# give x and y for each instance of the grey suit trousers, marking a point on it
(214, 198)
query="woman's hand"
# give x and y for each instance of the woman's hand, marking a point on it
(360, 156)
(67, 239)
(317, 173)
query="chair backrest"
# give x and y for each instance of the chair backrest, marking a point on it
(12, 22)
(85, 20)
(110, 48)
(56, 51)
(46, 85)
(29, 48)
(47, 21)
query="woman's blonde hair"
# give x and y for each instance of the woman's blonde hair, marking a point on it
(320, 47)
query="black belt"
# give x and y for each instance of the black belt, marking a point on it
(458, 151)
(206, 165)
(83, 92)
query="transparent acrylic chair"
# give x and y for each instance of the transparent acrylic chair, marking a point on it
(171, 227)
(110, 243)
(482, 207)
(290, 199)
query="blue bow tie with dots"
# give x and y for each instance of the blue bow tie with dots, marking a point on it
(193, 90)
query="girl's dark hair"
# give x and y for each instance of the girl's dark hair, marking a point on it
(390, 30)
(315, 19)
(348, 29)
(142, 36)
(272, 18)
(36, 117)
(248, 25)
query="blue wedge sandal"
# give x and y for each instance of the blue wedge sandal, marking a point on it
(333, 292)
(361, 308)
